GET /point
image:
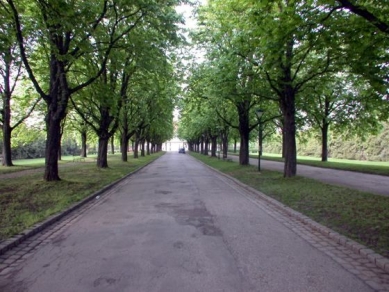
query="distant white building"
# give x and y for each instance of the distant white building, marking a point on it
(174, 144)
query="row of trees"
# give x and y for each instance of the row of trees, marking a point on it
(310, 64)
(371, 147)
(103, 66)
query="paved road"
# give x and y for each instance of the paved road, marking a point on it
(178, 226)
(376, 184)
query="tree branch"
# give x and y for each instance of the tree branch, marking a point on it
(27, 115)
(113, 41)
(366, 14)
(19, 36)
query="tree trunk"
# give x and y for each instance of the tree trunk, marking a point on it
(7, 152)
(52, 145)
(235, 142)
(7, 129)
(324, 142)
(57, 103)
(124, 146)
(287, 96)
(136, 148)
(244, 149)
(6, 112)
(288, 110)
(244, 132)
(102, 156)
(225, 146)
(213, 146)
(324, 129)
(148, 147)
(113, 144)
(142, 148)
(83, 143)
(206, 145)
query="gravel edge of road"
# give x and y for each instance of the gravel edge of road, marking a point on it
(375, 258)
(14, 241)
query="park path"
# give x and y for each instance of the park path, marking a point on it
(178, 226)
(376, 184)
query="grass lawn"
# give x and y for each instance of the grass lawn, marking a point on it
(372, 167)
(360, 216)
(23, 164)
(28, 199)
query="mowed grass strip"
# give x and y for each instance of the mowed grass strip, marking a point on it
(28, 164)
(372, 167)
(358, 215)
(28, 199)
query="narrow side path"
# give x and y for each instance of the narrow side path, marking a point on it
(179, 226)
(376, 184)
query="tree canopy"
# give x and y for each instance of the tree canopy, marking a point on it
(315, 63)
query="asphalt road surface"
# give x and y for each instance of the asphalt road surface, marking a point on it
(376, 184)
(178, 226)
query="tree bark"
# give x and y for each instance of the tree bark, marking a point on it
(225, 145)
(206, 145)
(142, 148)
(57, 103)
(7, 129)
(102, 156)
(124, 146)
(83, 143)
(213, 145)
(136, 147)
(288, 110)
(6, 112)
(244, 132)
(107, 126)
(324, 142)
(52, 145)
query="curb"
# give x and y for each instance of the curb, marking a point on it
(19, 238)
(377, 259)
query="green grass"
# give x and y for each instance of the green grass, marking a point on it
(358, 215)
(25, 164)
(372, 167)
(26, 200)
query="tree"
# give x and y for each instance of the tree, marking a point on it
(68, 43)
(374, 12)
(347, 102)
(11, 76)
(100, 104)
(276, 52)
